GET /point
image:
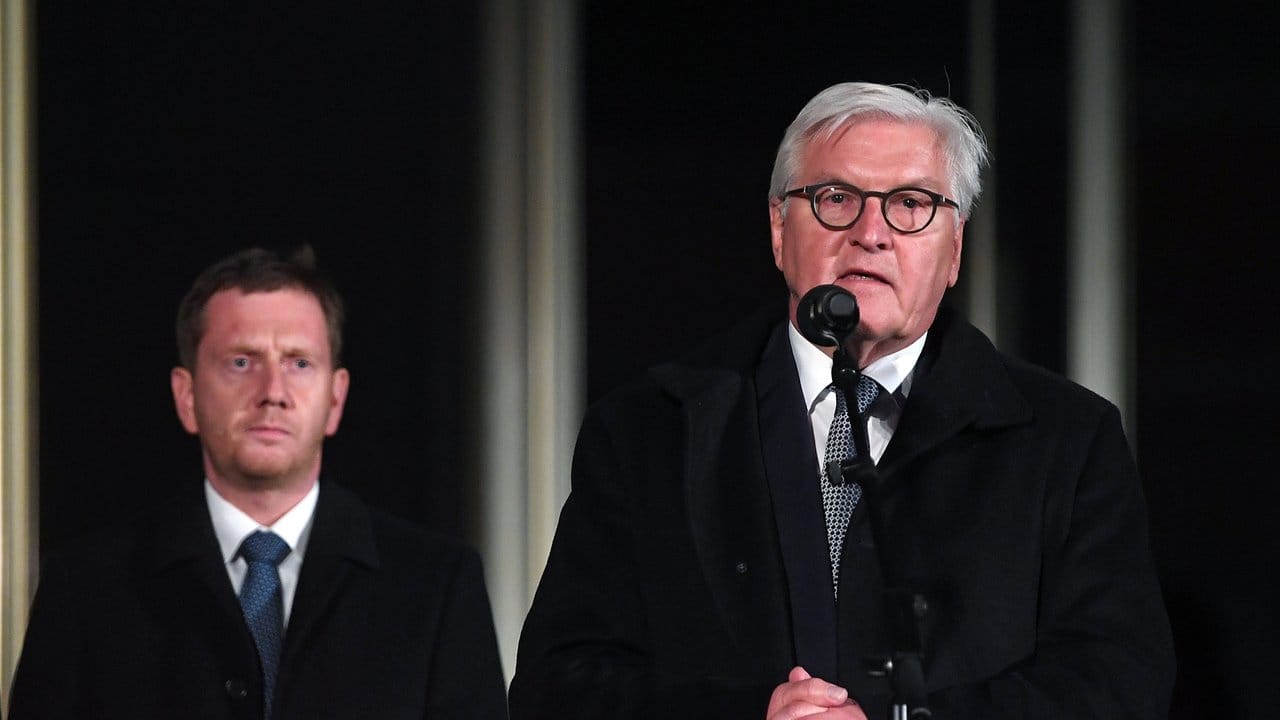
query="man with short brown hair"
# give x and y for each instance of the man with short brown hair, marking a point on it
(264, 593)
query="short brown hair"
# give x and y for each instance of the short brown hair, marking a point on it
(258, 270)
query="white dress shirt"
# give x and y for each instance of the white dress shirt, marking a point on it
(893, 372)
(232, 526)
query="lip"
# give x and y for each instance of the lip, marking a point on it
(268, 431)
(855, 275)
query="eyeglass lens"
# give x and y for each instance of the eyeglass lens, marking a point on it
(905, 210)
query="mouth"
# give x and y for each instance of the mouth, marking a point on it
(859, 275)
(268, 431)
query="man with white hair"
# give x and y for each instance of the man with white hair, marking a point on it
(715, 560)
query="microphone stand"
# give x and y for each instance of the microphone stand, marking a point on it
(906, 611)
(828, 315)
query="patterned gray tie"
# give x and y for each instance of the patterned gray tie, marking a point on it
(262, 602)
(839, 499)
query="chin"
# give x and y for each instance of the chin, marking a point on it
(266, 472)
(872, 329)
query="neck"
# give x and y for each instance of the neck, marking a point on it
(863, 353)
(264, 505)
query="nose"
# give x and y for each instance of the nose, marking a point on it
(274, 390)
(872, 231)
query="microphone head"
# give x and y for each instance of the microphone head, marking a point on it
(826, 315)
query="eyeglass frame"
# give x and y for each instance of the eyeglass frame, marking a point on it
(810, 191)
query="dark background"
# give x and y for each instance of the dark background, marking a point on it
(169, 137)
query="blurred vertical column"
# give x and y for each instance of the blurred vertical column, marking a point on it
(17, 345)
(1100, 307)
(533, 378)
(980, 249)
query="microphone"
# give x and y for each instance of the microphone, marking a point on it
(827, 315)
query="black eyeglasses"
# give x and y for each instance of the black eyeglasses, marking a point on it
(838, 206)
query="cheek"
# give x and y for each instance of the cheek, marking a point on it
(216, 406)
(925, 277)
(813, 255)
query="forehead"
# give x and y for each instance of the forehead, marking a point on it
(233, 316)
(875, 150)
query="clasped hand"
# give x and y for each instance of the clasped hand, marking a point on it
(805, 696)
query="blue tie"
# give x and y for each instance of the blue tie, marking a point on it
(838, 498)
(263, 606)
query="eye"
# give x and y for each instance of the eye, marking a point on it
(240, 362)
(834, 196)
(910, 200)
(300, 363)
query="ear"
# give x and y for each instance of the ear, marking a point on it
(776, 223)
(184, 399)
(337, 400)
(957, 245)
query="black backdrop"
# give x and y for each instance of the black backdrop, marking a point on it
(171, 137)
(168, 137)
(1204, 158)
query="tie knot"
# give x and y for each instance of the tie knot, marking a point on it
(265, 547)
(867, 391)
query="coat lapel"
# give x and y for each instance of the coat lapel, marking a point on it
(184, 543)
(341, 543)
(791, 467)
(186, 581)
(730, 514)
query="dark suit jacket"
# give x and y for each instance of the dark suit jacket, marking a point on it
(387, 622)
(689, 569)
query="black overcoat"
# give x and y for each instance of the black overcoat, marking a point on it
(387, 622)
(689, 571)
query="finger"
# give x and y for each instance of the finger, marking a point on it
(796, 710)
(814, 691)
(849, 711)
(803, 695)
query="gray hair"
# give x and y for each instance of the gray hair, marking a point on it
(842, 104)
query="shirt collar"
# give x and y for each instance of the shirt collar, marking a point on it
(231, 525)
(893, 371)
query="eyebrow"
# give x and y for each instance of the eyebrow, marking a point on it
(291, 350)
(921, 182)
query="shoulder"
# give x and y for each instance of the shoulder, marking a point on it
(101, 559)
(723, 362)
(1079, 423)
(1045, 388)
(395, 544)
(171, 524)
(397, 535)
(969, 366)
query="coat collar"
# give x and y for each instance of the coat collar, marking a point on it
(180, 536)
(184, 533)
(960, 382)
(342, 542)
